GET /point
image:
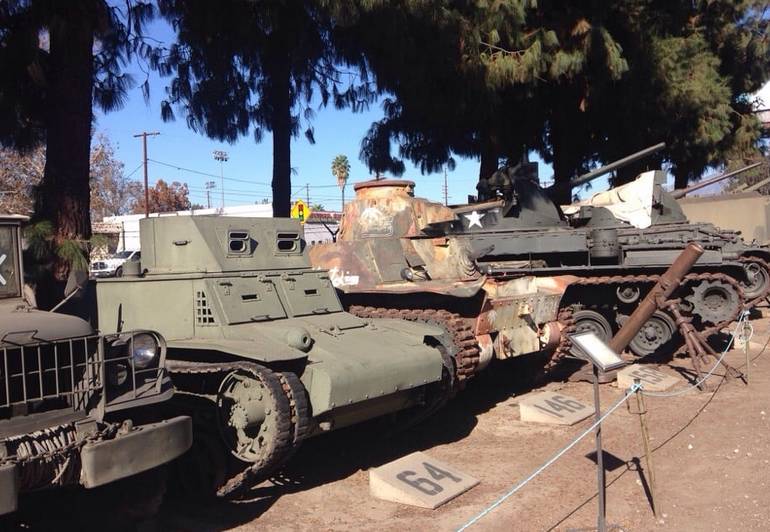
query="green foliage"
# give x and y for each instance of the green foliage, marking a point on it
(38, 236)
(580, 83)
(341, 169)
(267, 64)
(72, 252)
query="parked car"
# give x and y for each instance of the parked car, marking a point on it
(113, 266)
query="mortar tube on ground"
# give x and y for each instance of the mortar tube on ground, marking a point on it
(662, 290)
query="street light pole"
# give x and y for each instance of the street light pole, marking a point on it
(222, 157)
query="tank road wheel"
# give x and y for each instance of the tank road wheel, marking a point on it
(255, 420)
(628, 293)
(714, 301)
(656, 332)
(589, 320)
(758, 283)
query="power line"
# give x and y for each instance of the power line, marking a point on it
(135, 170)
(176, 167)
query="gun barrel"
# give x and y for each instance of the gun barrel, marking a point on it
(757, 185)
(682, 192)
(606, 169)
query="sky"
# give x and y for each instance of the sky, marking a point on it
(178, 152)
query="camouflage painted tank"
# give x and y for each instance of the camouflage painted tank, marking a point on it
(390, 259)
(517, 225)
(260, 350)
(397, 251)
(76, 407)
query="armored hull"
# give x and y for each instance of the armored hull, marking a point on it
(514, 268)
(260, 349)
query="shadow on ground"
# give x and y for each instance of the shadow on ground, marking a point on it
(342, 453)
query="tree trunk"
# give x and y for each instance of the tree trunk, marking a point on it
(280, 88)
(681, 178)
(63, 196)
(490, 158)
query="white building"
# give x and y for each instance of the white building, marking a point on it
(315, 231)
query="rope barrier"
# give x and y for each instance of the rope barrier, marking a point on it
(553, 459)
(741, 321)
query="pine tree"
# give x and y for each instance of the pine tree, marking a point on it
(260, 74)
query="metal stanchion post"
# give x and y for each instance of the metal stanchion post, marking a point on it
(746, 334)
(647, 450)
(601, 520)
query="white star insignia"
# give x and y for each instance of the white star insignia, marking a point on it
(2, 260)
(474, 218)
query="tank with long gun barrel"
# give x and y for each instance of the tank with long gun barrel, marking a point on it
(682, 192)
(606, 169)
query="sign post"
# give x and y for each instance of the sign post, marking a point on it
(590, 347)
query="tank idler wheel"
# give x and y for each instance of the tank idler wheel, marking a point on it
(758, 280)
(656, 332)
(591, 321)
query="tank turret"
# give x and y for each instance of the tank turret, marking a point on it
(606, 169)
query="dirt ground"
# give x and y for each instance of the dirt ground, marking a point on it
(711, 454)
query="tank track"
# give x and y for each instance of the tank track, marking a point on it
(466, 353)
(293, 420)
(765, 266)
(568, 324)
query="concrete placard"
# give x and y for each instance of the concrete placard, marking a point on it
(553, 408)
(652, 379)
(418, 480)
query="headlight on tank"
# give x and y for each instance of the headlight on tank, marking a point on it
(144, 350)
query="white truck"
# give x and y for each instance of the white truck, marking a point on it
(113, 266)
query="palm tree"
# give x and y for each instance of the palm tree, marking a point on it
(341, 170)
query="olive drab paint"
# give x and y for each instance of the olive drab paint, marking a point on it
(61, 382)
(242, 288)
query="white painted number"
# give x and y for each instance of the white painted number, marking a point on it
(648, 375)
(425, 485)
(559, 403)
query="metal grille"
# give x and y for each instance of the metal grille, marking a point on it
(69, 370)
(203, 313)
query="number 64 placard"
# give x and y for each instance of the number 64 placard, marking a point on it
(418, 480)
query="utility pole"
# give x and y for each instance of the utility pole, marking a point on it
(446, 189)
(210, 185)
(307, 192)
(144, 135)
(222, 157)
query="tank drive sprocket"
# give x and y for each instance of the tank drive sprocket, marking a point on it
(262, 415)
(714, 300)
(458, 337)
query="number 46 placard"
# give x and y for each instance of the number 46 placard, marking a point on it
(418, 480)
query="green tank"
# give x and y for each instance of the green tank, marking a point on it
(77, 407)
(260, 350)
